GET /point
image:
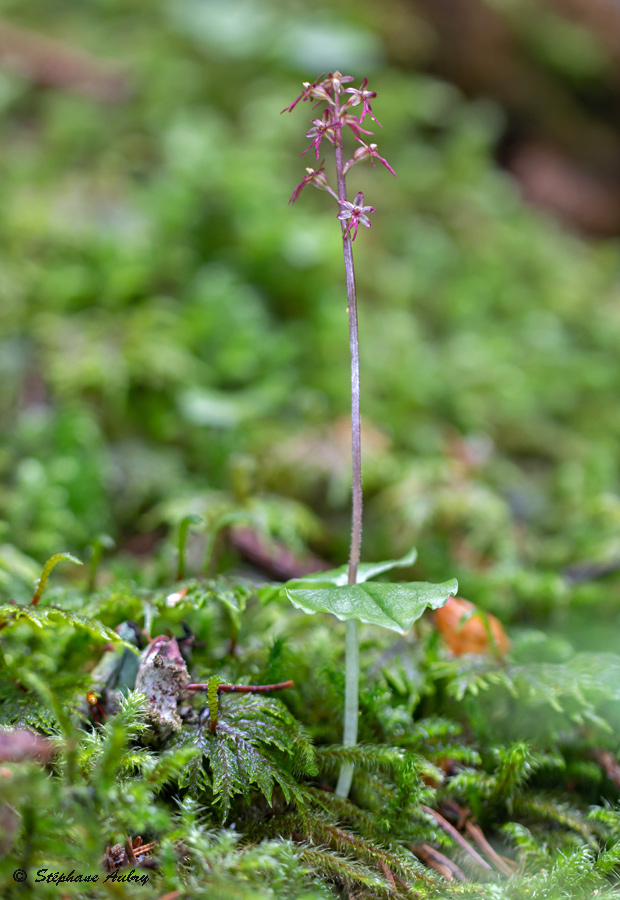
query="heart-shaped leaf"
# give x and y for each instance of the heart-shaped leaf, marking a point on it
(394, 606)
(365, 571)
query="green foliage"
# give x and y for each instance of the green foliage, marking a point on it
(339, 577)
(254, 741)
(554, 694)
(171, 348)
(41, 584)
(259, 772)
(40, 618)
(393, 606)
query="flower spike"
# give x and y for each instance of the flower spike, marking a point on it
(351, 215)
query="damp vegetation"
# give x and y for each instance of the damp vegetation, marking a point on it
(479, 774)
(208, 688)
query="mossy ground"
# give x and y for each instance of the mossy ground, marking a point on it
(173, 343)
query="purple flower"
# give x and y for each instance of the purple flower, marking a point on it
(317, 178)
(368, 151)
(312, 91)
(321, 128)
(363, 96)
(354, 124)
(335, 79)
(356, 213)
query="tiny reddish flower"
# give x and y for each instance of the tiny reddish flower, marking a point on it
(356, 213)
(315, 177)
(368, 151)
(321, 128)
(354, 124)
(335, 80)
(363, 96)
(312, 91)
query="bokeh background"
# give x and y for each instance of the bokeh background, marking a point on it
(173, 335)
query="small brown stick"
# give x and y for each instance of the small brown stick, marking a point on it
(130, 858)
(144, 849)
(463, 814)
(477, 835)
(171, 895)
(388, 874)
(436, 860)
(242, 688)
(431, 858)
(475, 832)
(451, 830)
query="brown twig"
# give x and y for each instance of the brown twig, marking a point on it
(388, 874)
(506, 867)
(502, 864)
(436, 860)
(133, 853)
(242, 688)
(451, 830)
(130, 857)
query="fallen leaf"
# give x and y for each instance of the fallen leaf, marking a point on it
(465, 629)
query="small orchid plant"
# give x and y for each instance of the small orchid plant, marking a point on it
(345, 592)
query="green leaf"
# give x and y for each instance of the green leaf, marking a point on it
(47, 616)
(40, 585)
(394, 606)
(365, 571)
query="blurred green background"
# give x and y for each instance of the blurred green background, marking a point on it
(173, 336)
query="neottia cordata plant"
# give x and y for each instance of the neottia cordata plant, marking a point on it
(345, 591)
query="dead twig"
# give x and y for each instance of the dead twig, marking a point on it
(451, 830)
(506, 867)
(133, 853)
(388, 874)
(502, 864)
(436, 860)
(242, 688)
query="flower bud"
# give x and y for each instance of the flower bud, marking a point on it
(319, 180)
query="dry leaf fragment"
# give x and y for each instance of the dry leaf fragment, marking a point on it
(466, 629)
(162, 676)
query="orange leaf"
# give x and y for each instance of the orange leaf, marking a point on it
(466, 630)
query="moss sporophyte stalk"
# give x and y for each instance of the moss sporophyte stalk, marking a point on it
(394, 606)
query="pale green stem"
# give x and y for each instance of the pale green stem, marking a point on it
(352, 675)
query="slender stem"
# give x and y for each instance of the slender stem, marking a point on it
(351, 705)
(352, 641)
(356, 435)
(242, 688)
